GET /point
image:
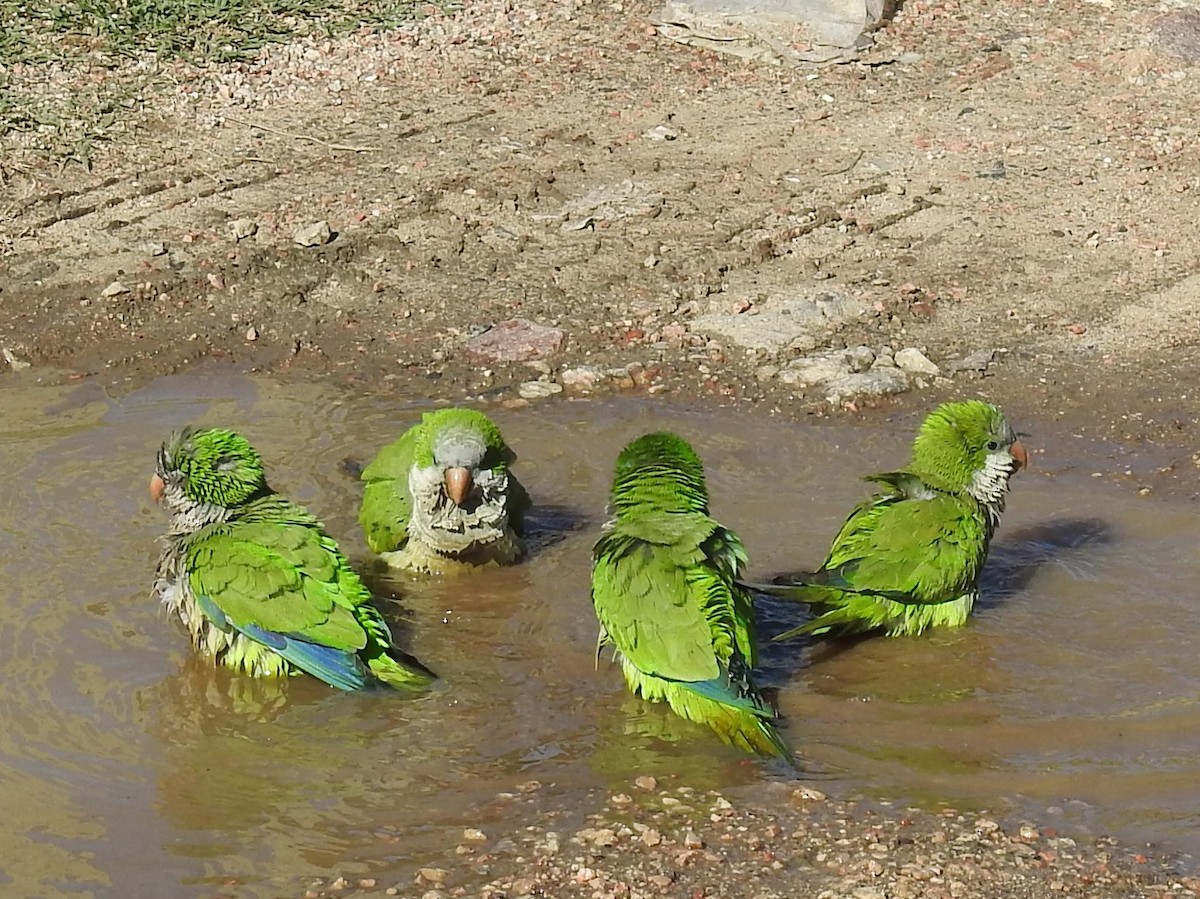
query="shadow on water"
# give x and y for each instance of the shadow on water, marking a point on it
(551, 523)
(1014, 558)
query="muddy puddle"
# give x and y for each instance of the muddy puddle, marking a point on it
(130, 769)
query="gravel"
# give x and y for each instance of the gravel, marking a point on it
(799, 843)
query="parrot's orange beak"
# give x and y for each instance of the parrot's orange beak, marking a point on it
(458, 485)
(156, 488)
(1017, 451)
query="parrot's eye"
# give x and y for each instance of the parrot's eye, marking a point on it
(993, 445)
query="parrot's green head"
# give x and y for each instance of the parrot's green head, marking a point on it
(659, 472)
(459, 445)
(206, 471)
(969, 447)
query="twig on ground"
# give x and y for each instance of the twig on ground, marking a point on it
(345, 148)
(848, 166)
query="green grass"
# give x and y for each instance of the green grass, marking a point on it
(99, 35)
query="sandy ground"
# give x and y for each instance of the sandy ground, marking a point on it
(1011, 184)
(1017, 178)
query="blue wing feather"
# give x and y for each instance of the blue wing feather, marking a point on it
(212, 611)
(337, 667)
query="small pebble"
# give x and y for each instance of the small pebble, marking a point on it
(314, 235)
(240, 229)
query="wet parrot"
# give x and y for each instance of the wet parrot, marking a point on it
(664, 590)
(909, 557)
(257, 582)
(441, 497)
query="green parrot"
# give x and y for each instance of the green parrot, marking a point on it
(441, 498)
(663, 584)
(257, 582)
(909, 557)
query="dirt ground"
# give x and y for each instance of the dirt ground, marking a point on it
(1018, 177)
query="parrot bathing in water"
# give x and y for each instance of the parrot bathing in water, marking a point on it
(257, 582)
(441, 497)
(663, 585)
(909, 557)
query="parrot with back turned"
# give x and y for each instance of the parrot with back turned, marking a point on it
(909, 557)
(442, 498)
(259, 585)
(664, 590)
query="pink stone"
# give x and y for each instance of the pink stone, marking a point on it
(516, 340)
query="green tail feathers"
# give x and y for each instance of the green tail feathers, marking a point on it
(746, 723)
(390, 665)
(841, 621)
(400, 670)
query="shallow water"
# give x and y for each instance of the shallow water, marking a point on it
(130, 768)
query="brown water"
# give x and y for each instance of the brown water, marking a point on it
(128, 768)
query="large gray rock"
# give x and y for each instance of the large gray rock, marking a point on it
(838, 376)
(781, 319)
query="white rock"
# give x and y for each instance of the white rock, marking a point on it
(534, 390)
(240, 229)
(766, 372)
(584, 377)
(782, 320)
(315, 235)
(817, 369)
(114, 289)
(661, 132)
(915, 362)
(877, 382)
(14, 362)
(860, 358)
(810, 794)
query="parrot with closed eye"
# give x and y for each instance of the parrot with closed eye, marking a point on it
(259, 585)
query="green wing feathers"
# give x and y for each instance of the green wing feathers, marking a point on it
(285, 584)
(682, 630)
(927, 550)
(646, 606)
(746, 723)
(280, 578)
(387, 502)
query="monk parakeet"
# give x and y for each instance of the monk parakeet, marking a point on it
(663, 584)
(257, 582)
(909, 557)
(442, 498)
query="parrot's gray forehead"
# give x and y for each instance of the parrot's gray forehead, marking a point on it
(458, 448)
(1005, 432)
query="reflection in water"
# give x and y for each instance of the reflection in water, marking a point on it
(132, 768)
